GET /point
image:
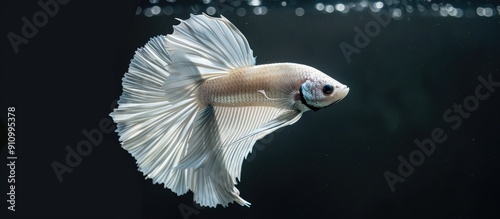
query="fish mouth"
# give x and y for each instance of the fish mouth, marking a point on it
(343, 93)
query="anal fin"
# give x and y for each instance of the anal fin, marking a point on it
(222, 138)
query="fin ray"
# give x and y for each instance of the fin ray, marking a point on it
(160, 121)
(222, 139)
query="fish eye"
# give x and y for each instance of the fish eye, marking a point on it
(327, 89)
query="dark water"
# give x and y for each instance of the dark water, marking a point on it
(414, 79)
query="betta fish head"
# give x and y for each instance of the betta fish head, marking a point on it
(319, 91)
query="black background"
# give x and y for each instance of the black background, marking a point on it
(329, 164)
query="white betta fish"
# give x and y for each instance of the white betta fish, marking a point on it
(194, 103)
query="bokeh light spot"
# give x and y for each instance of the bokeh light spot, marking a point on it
(299, 11)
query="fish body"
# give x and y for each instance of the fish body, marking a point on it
(275, 85)
(194, 103)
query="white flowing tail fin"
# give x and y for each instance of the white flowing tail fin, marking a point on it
(158, 111)
(148, 118)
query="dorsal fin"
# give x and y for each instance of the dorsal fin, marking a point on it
(205, 47)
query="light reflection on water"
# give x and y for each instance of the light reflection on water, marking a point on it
(396, 8)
